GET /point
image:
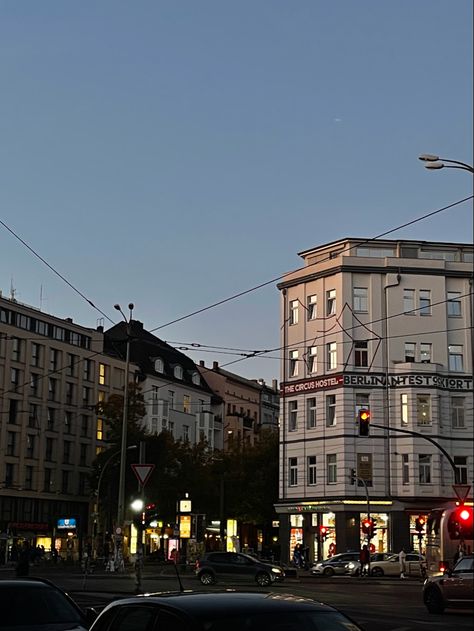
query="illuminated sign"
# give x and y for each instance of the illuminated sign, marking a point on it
(185, 526)
(68, 523)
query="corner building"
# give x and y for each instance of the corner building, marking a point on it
(384, 325)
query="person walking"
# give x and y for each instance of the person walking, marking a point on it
(402, 557)
(364, 559)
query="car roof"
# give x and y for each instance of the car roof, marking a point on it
(27, 581)
(227, 602)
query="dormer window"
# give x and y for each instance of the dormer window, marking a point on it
(178, 372)
(159, 365)
(196, 379)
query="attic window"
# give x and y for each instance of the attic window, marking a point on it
(196, 379)
(159, 365)
(178, 372)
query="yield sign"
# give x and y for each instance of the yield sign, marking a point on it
(143, 472)
(462, 491)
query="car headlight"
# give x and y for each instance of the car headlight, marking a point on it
(276, 570)
(351, 565)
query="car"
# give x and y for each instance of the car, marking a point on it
(221, 611)
(353, 567)
(336, 564)
(36, 604)
(453, 589)
(390, 565)
(232, 566)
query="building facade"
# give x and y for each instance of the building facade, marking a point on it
(384, 326)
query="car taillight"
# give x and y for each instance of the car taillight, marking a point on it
(442, 567)
(197, 564)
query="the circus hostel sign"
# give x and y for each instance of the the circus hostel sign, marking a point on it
(377, 380)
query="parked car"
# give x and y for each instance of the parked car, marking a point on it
(390, 566)
(39, 605)
(228, 611)
(454, 589)
(336, 564)
(235, 566)
(353, 567)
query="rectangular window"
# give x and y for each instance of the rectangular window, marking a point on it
(330, 410)
(35, 354)
(425, 353)
(410, 351)
(28, 477)
(186, 433)
(461, 467)
(457, 412)
(425, 302)
(362, 401)
(53, 359)
(102, 374)
(293, 363)
(361, 354)
(424, 469)
(331, 359)
(311, 470)
(48, 480)
(292, 415)
(85, 424)
(294, 311)
(171, 427)
(68, 422)
(454, 304)
(364, 468)
(51, 419)
(360, 299)
(86, 392)
(83, 455)
(33, 416)
(34, 382)
(455, 358)
(30, 445)
(67, 452)
(311, 412)
(331, 468)
(69, 393)
(82, 486)
(12, 411)
(11, 443)
(65, 482)
(312, 306)
(423, 409)
(171, 399)
(49, 449)
(52, 387)
(331, 302)
(99, 432)
(16, 349)
(72, 361)
(409, 301)
(186, 403)
(405, 469)
(404, 409)
(9, 474)
(87, 370)
(292, 471)
(313, 359)
(15, 376)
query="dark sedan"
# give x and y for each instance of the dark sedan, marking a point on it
(234, 566)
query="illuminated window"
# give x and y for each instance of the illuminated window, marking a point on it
(186, 403)
(102, 374)
(404, 408)
(423, 409)
(100, 429)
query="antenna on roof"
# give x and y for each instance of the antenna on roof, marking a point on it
(41, 297)
(12, 290)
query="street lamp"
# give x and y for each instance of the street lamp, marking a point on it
(123, 446)
(435, 163)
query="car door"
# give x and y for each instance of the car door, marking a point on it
(413, 564)
(459, 586)
(340, 561)
(221, 563)
(390, 567)
(243, 568)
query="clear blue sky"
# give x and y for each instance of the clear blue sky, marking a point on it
(174, 152)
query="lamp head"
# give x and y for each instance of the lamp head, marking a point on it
(428, 157)
(117, 306)
(131, 306)
(434, 165)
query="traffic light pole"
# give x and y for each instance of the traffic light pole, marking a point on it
(433, 442)
(355, 478)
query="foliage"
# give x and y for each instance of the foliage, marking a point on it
(112, 411)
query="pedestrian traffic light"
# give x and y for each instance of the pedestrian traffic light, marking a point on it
(364, 421)
(368, 527)
(323, 533)
(420, 524)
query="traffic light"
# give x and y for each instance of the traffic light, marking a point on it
(460, 523)
(323, 533)
(364, 421)
(368, 527)
(352, 476)
(150, 514)
(420, 524)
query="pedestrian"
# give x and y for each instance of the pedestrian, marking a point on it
(23, 564)
(402, 560)
(364, 559)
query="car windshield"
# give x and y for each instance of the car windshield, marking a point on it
(282, 621)
(32, 606)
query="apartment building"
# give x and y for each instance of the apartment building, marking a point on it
(386, 326)
(52, 374)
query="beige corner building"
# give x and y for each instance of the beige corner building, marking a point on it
(385, 326)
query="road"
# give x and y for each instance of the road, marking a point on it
(377, 604)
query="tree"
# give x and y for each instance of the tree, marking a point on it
(112, 411)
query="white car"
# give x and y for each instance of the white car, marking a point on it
(389, 565)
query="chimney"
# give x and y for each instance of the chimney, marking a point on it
(100, 328)
(275, 384)
(215, 365)
(68, 320)
(201, 363)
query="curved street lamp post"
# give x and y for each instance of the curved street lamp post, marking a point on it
(435, 163)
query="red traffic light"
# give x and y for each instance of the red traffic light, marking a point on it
(323, 532)
(364, 422)
(465, 514)
(364, 415)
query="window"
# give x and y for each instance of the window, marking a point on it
(9, 474)
(171, 427)
(455, 358)
(99, 431)
(186, 403)
(28, 477)
(361, 354)
(65, 482)
(312, 359)
(360, 299)
(48, 480)
(82, 486)
(461, 467)
(35, 354)
(364, 468)
(11, 443)
(16, 349)
(425, 353)
(83, 455)
(159, 365)
(68, 422)
(51, 419)
(375, 252)
(331, 359)
(311, 413)
(457, 412)
(362, 402)
(409, 301)
(102, 374)
(293, 316)
(331, 302)
(293, 363)
(33, 415)
(424, 466)
(53, 359)
(72, 360)
(196, 379)
(67, 452)
(312, 306)
(292, 415)
(52, 387)
(49, 449)
(292, 471)
(85, 424)
(410, 351)
(178, 372)
(34, 380)
(425, 302)
(30, 445)
(171, 399)
(87, 370)
(69, 393)
(12, 411)
(423, 409)
(331, 468)
(15, 378)
(405, 469)
(404, 409)
(454, 304)
(86, 392)
(186, 433)
(330, 410)
(311, 470)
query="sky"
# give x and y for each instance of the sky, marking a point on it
(173, 153)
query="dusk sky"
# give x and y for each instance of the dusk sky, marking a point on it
(176, 152)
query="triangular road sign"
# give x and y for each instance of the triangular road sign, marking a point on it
(462, 491)
(143, 472)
